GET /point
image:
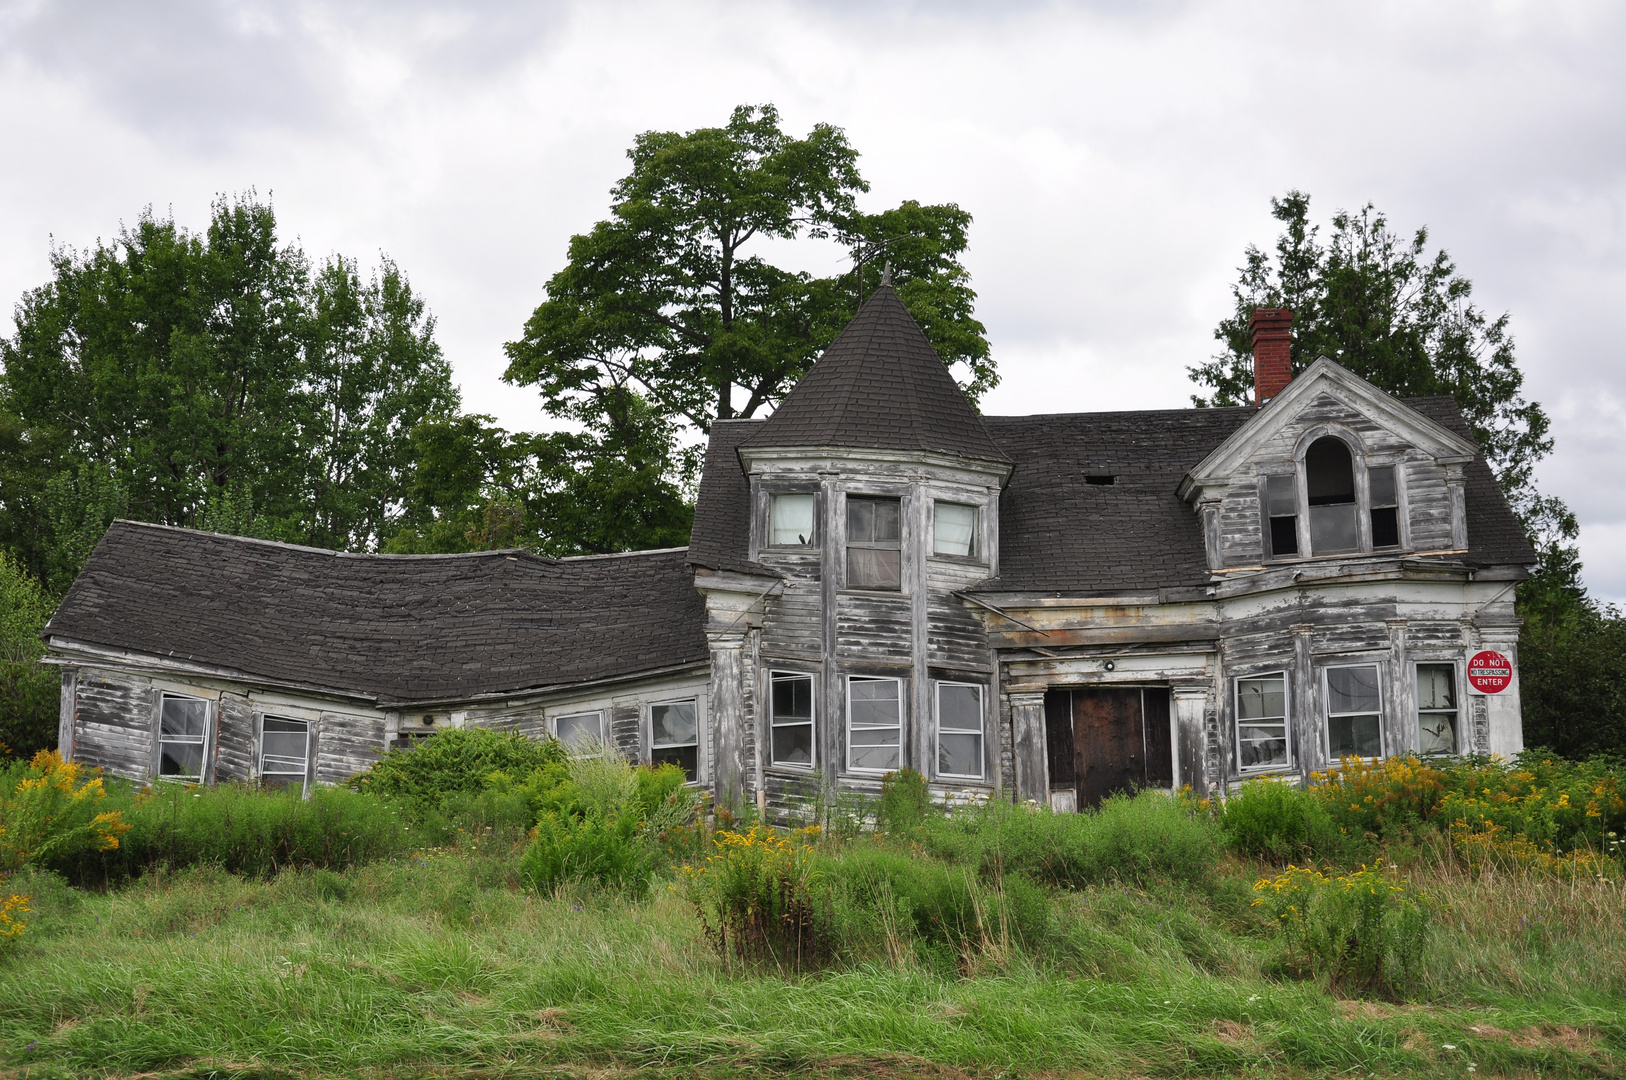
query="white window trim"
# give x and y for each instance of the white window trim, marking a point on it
(701, 774)
(812, 724)
(1456, 688)
(976, 531)
(982, 730)
(305, 775)
(899, 727)
(209, 707)
(1236, 721)
(603, 725)
(1327, 714)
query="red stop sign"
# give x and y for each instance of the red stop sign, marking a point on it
(1490, 672)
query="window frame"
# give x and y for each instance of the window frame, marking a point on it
(699, 744)
(1287, 721)
(975, 555)
(937, 731)
(1267, 519)
(1327, 714)
(1456, 710)
(813, 523)
(1362, 466)
(209, 706)
(850, 728)
(848, 543)
(305, 772)
(811, 723)
(603, 727)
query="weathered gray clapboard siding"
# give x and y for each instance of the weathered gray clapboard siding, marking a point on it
(1007, 744)
(1434, 635)
(803, 565)
(113, 724)
(347, 745)
(873, 628)
(1341, 637)
(750, 712)
(1257, 650)
(1428, 506)
(955, 638)
(235, 738)
(531, 723)
(792, 624)
(1241, 527)
(626, 728)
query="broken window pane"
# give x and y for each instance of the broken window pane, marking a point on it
(874, 556)
(675, 736)
(790, 704)
(954, 529)
(1329, 473)
(1261, 733)
(284, 752)
(1283, 510)
(790, 520)
(1437, 708)
(1380, 482)
(183, 727)
(874, 723)
(959, 730)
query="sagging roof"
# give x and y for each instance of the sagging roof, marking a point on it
(879, 386)
(400, 629)
(1058, 533)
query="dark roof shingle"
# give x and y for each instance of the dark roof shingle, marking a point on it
(879, 386)
(399, 629)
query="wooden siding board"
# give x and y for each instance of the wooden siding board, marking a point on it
(347, 744)
(113, 724)
(873, 628)
(236, 739)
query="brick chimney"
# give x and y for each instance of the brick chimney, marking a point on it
(1272, 352)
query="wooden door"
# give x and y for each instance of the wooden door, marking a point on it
(1109, 743)
(1159, 748)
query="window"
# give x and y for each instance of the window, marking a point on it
(1261, 722)
(674, 732)
(1329, 475)
(183, 734)
(954, 529)
(790, 707)
(790, 521)
(959, 730)
(581, 732)
(874, 534)
(1385, 506)
(874, 724)
(1437, 708)
(1354, 712)
(284, 752)
(1282, 507)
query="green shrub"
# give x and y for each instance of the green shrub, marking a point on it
(1360, 931)
(1139, 839)
(606, 851)
(52, 810)
(905, 802)
(1278, 821)
(244, 830)
(455, 760)
(759, 899)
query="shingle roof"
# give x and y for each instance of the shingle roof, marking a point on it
(1059, 533)
(879, 386)
(398, 628)
(722, 509)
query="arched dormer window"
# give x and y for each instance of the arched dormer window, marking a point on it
(1329, 482)
(1332, 504)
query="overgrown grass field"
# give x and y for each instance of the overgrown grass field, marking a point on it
(992, 942)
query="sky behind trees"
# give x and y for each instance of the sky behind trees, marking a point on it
(1116, 157)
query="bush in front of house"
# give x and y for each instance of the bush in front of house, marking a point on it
(1363, 931)
(51, 810)
(604, 821)
(1138, 839)
(243, 830)
(456, 761)
(1278, 821)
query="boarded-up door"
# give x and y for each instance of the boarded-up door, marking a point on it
(1117, 741)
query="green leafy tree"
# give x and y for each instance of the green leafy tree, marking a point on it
(672, 299)
(210, 380)
(29, 691)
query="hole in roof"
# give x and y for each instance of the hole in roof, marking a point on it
(1101, 479)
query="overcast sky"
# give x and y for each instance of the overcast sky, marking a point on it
(1117, 158)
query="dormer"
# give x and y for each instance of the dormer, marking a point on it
(1331, 467)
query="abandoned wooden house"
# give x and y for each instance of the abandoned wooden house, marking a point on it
(1045, 607)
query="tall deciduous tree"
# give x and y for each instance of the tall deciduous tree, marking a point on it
(672, 299)
(209, 379)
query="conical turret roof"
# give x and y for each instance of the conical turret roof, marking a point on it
(879, 386)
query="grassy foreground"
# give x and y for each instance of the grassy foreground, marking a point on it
(440, 963)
